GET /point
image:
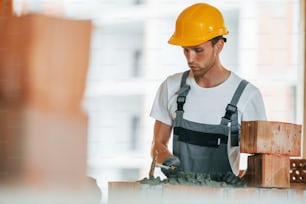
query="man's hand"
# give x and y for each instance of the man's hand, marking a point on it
(173, 163)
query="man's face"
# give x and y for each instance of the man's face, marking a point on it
(201, 58)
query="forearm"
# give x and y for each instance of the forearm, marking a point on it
(160, 141)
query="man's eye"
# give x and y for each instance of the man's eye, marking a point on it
(198, 50)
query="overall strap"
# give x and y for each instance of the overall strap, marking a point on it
(181, 98)
(238, 92)
(184, 78)
(182, 92)
(231, 109)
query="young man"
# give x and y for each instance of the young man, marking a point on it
(205, 105)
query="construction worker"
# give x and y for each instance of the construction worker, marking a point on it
(203, 106)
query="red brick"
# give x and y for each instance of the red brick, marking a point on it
(298, 171)
(267, 170)
(269, 137)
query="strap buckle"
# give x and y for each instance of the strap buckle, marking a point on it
(230, 109)
(180, 102)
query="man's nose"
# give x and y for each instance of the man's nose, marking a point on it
(190, 56)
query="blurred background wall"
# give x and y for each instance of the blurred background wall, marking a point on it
(129, 57)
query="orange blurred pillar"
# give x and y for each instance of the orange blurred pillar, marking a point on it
(43, 70)
(6, 7)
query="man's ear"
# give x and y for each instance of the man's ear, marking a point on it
(219, 45)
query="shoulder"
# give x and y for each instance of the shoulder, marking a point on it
(236, 79)
(173, 81)
(251, 95)
(174, 78)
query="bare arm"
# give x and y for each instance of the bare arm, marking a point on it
(162, 134)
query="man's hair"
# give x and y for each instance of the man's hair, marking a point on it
(216, 39)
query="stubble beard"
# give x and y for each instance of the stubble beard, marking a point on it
(200, 73)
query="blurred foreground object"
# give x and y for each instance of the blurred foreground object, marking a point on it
(6, 7)
(137, 193)
(43, 140)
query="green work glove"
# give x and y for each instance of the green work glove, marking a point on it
(174, 164)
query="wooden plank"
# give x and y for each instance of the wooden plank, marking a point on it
(270, 137)
(268, 170)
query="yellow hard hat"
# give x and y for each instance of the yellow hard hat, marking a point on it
(197, 24)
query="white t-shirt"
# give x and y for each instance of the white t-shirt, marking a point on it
(207, 105)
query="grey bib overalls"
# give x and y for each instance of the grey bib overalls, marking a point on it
(202, 148)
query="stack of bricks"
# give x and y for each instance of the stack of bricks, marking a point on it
(271, 144)
(43, 137)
